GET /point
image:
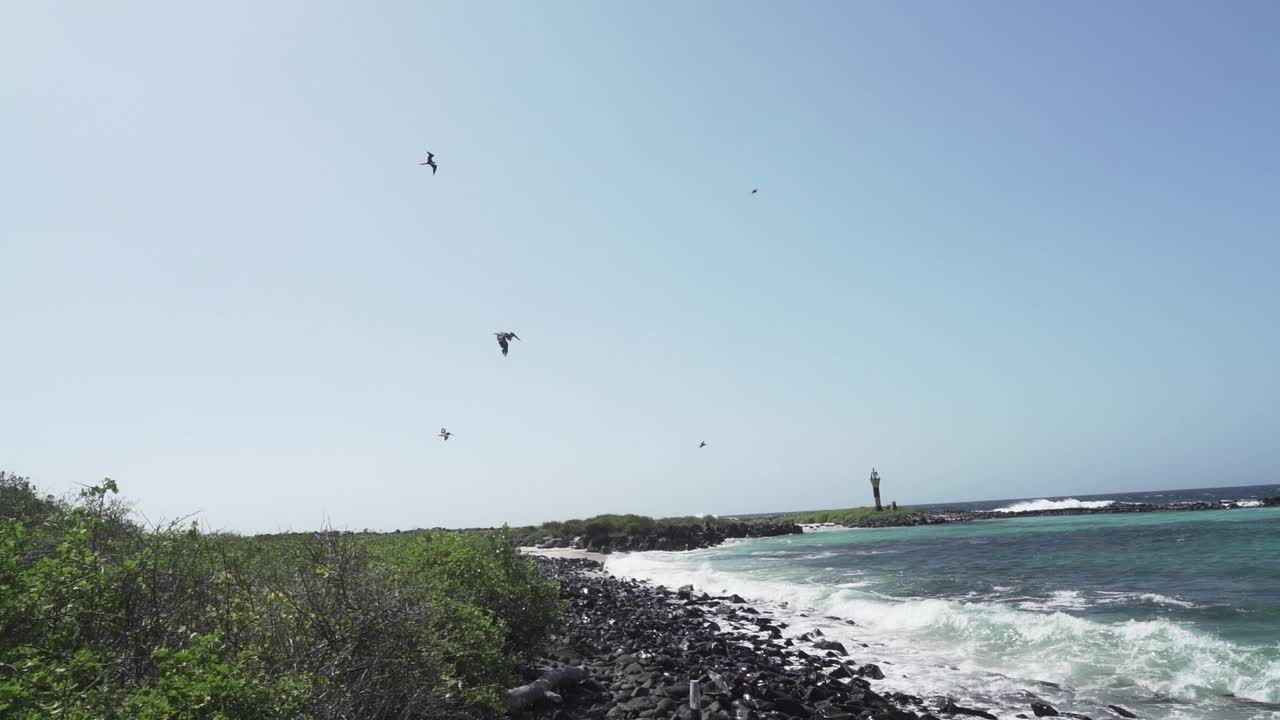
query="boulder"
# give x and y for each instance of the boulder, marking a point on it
(950, 708)
(831, 645)
(871, 670)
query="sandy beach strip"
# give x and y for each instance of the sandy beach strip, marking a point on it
(565, 553)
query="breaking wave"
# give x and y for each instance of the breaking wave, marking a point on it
(955, 648)
(1068, 504)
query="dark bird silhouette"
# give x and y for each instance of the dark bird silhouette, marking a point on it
(704, 444)
(445, 434)
(431, 160)
(753, 192)
(504, 338)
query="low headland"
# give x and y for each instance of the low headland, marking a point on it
(905, 517)
(606, 534)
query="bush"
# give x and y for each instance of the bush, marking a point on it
(608, 529)
(101, 618)
(202, 683)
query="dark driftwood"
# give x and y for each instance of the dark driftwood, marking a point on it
(526, 696)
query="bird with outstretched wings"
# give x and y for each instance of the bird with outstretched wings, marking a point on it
(431, 160)
(504, 340)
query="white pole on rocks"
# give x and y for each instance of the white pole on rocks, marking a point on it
(695, 699)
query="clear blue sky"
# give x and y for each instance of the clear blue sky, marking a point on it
(999, 250)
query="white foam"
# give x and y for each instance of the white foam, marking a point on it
(1068, 504)
(1057, 600)
(822, 527)
(1127, 598)
(933, 646)
(818, 556)
(1248, 503)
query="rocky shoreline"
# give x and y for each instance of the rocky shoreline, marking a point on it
(629, 649)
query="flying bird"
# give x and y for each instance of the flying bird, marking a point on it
(504, 338)
(702, 445)
(753, 192)
(445, 434)
(431, 160)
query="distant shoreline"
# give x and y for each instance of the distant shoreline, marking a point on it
(664, 535)
(939, 517)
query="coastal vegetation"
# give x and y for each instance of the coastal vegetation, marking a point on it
(849, 516)
(638, 532)
(103, 617)
(602, 526)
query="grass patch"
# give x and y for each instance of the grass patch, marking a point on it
(847, 515)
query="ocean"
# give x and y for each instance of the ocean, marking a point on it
(1171, 615)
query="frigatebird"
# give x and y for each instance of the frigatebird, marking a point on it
(431, 160)
(445, 434)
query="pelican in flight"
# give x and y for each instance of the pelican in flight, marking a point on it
(504, 340)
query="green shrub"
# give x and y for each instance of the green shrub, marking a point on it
(201, 682)
(495, 609)
(611, 528)
(101, 618)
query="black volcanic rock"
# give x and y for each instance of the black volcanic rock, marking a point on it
(643, 646)
(871, 670)
(831, 645)
(950, 708)
(1043, 709)
(646, 645)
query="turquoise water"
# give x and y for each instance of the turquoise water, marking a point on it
(1173, 615)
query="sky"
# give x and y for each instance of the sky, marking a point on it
(998, 250)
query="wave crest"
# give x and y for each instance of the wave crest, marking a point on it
(924, 637)
(1042, 504)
